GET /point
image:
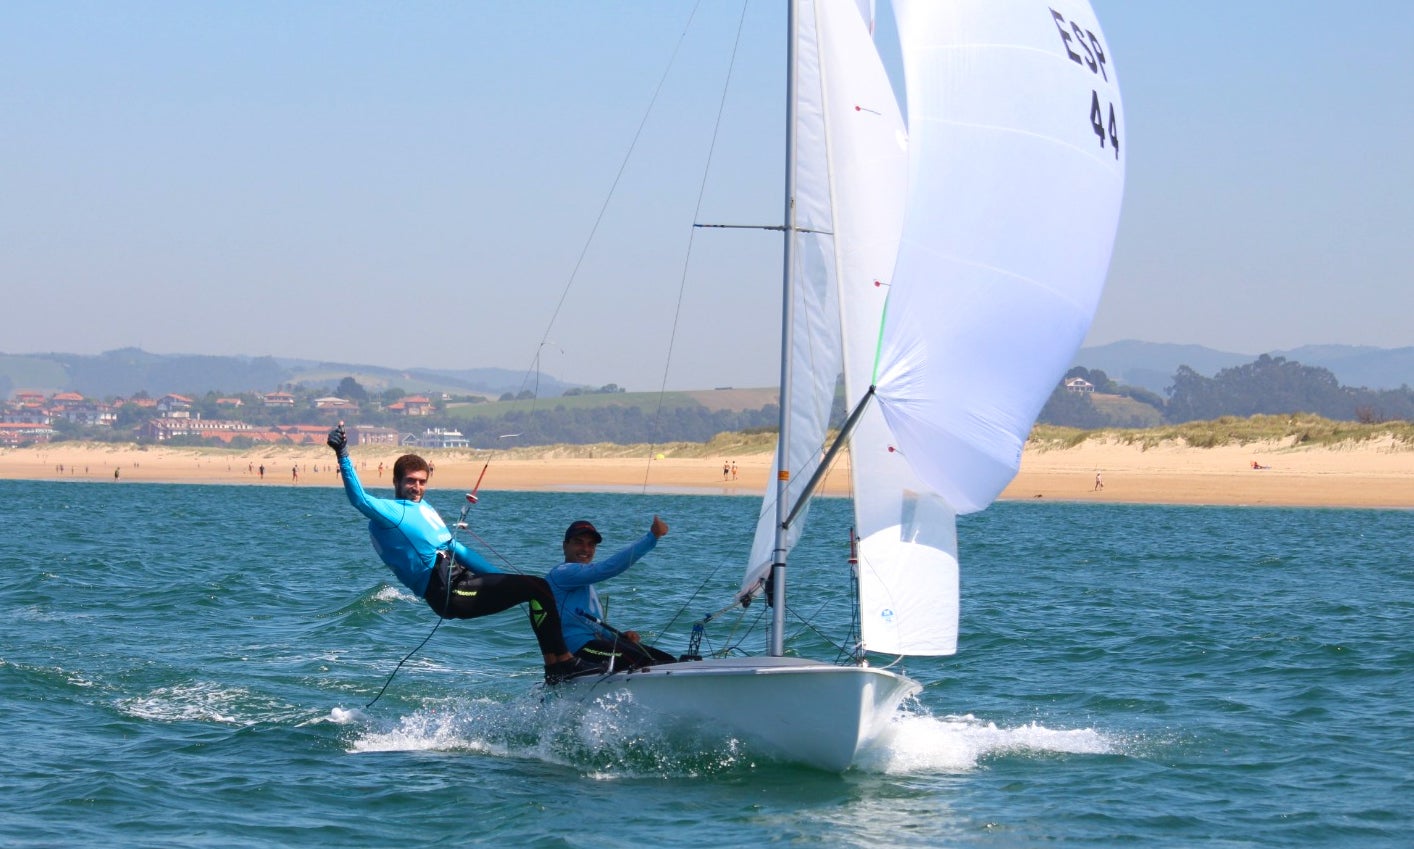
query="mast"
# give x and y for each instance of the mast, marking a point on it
(778, 561)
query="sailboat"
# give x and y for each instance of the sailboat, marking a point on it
(948, 265)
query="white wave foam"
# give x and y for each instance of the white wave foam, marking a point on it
(919, 743)
(612, 740)
(388, 593)
(615, 739)
(439, 729)
(344, 716)
(194, 702)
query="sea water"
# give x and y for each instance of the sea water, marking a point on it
(194, 666)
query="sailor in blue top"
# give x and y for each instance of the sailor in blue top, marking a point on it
(573, 584)
(455, 581)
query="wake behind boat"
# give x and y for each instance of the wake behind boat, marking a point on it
(948, 268)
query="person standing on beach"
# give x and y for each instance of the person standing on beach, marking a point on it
(573, 584)
(1099, 483)
(456, 582)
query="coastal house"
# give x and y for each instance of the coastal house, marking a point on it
(13, 434)
(412, 405)
(92, 414)
(174, 407)
(28, 399)
(335, 404)
(304, 434)
(371, 435)
(163, 429)
(1079, 384)
(65, 401)
(441, 438)
(278, 399)
(27, 412)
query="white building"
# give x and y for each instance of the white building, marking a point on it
(440, 438)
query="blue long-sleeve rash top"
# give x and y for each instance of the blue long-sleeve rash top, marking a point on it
(573, 586)
(408, 534)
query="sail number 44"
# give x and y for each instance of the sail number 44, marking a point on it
(1084, 49)
(1104, 128)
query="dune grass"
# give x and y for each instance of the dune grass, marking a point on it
(1299, 430)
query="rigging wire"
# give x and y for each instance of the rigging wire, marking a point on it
(692, 238)
(613, 188)
(405, 659)
(533, 370)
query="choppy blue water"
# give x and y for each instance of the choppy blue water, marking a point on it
(188, 666)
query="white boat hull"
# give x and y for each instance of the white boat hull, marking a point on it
(803, 711)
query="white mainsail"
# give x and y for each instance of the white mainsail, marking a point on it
(815, 353)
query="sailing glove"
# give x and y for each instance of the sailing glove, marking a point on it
(338, 441)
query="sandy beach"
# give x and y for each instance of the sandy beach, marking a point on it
(1373, 473)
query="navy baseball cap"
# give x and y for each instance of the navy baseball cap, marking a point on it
(582, 528)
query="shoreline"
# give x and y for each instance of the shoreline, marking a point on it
(1369, 474)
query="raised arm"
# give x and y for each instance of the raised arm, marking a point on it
(381, 510)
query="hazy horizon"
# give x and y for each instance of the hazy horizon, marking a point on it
(415, 183)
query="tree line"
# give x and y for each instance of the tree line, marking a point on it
(620, 424)
(1268, 385)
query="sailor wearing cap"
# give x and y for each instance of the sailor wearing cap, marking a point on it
(572, 582)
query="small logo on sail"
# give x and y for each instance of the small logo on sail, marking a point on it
(887, 614)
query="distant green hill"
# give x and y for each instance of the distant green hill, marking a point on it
(26, 372)
(1152, 365)
(128, 371)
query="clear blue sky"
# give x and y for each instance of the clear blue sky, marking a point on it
(410, 184)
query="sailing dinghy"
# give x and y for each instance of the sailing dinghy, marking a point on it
(949, 268)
